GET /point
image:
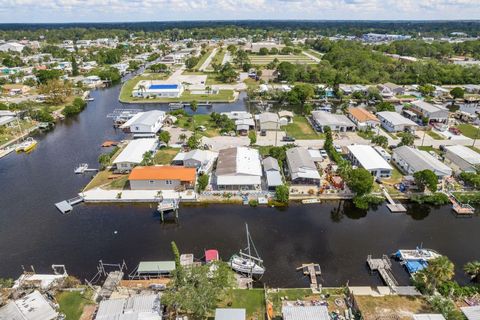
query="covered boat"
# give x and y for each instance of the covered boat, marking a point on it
(417, 254)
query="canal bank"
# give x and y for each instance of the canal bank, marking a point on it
(333, 234)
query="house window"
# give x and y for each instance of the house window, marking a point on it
(151, 182)
(168, 181)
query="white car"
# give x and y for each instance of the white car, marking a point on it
(323, 153)
(338, 148)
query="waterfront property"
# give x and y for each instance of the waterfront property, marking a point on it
(301, 167)
(362, 118)
(368, 158)
(230, 314)
(462, 158)
(395, 122)
(336, 122)
(238, 168)
(158, 89)
(309, 312)
(201, 160)
(162, 178)
(132, 154)
(270, 121)
(411, 160)
(33, 306)
(145, 124)
(272, 173)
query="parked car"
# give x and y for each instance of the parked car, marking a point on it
(454, 130)
(323, 153)
(263, 133)
(201, 128)
(288, 139)
(338, 148)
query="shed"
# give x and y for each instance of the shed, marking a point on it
(291, 312)
(156, 267)
(230, 314)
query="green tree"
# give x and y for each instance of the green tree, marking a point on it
(202, 182)
(328, 144)
(439, 271)
(282, 193)
(457, 93)
(473, 270)
(104, 160)
(194, 105)
(252, 136)
(56, 91)
(384, 106)
(300, 94)
(75, 71)
(164, 136)
(426, 179)
(360, 181)
(194, 141)
(407, 139)
(263, 51)
(147, 159)
(179, 274)
(426, 90)
(380, 141)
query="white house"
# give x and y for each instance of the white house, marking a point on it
(133, 153)
(301, 167)
(92, 81)
(238, 168)
(202, 160)
(388, 90)
(394, 122)
(309, 312)
(145, 124)
(272, 172)
(270, 121)
(462, 158)
(336, 122)
(135, 307)
(11, 46)
(153, 88)
(411, 160)
(33, 306)
(366, 157)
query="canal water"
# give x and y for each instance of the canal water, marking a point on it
(339, 237)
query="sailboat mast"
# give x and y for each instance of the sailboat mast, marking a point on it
(248, 240)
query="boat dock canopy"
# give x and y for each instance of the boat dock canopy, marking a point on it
(155, 267)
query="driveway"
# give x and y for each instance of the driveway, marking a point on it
(224, 142)
(209, 59)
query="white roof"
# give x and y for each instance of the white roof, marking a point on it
(134, 151)
(395, 118)
(420, 160)
(427, 316)
(472, 313)
(305, 313)
(422, 105)
(465, 153)
(238, 180)
(329, 119)
(33, 306)
(230, 314)
(148, 118)
(274, 178)
(368, 157)
(138, 307)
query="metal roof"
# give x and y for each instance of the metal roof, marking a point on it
(239, 161)
(33, 306)
(274, 178)
(305, 313)
(368, 157)
(428, 107)
(230, 314)
(426, 316)
(156, 266)
(472, 313)
(420, 160)
(329, 119)
(301, 164)
(137, 307)
(270, 163)
(135, 150)
(395, 118)
(465, 153)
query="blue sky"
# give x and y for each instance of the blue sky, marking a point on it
(167, 10)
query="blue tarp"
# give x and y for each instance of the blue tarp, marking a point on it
(415, 265)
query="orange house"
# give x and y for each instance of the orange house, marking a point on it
(162, 178)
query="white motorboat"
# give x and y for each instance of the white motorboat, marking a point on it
(245, 262)
(417, 254)
(81, 168)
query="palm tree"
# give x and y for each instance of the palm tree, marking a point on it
(182, 137)
(440, 270)
(142, 89)
(473, 270)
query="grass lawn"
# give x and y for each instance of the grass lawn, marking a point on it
(200, 120)
(120, 183)
(428, 149)
(402, 306)
(187, 96)
(468, 130)
(435, 135)
(10, 133)
(252, 300)
(106, 177)
(203, 58)
(165, 155)
(218, 58)
(127, 88)
(301, 129)
(367, 135)
(251, 83)
(72, 303)
(396, 177)
(263, 60)
(315, 53)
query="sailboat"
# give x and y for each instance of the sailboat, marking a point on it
(246, 263)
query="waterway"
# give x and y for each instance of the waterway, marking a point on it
(339, 237)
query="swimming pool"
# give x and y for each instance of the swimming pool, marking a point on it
(163, 87)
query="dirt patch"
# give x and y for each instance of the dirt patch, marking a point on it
(391, 307)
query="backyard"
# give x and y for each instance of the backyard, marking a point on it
(72, 303)
(468, 130)
(165, 156)
(301, 129)
(391, 307)
(252, 300)
(127, 88)
(199, 120)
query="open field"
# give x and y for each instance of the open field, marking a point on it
(72, 303)
(263, 60)
(218, 59)
(165, 156)
(203, 58)
(127, 88)
(301, 129)
(252, 300)
(391, 307)
(199, 120)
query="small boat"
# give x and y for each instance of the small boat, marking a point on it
(89, 99)
(245, 262)
(81, 168)
(418, 254)
(175, 106)
(211, 255)
(26, 145)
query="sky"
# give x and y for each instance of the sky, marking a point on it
(36, 11)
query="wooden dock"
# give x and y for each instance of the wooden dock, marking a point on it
(312, 270)
(392, 205)
(66, 206)
(461, 209)
(384, 267)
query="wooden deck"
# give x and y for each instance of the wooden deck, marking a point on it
(384, 268)
(312, 270)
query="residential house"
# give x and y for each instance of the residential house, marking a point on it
(145, 124)
(162, 178)
(288, 115)
(270, 121)
(33, 306)
(92, 81)
(243, 121)
(202, 160)
(410, 160)
(238, 168)
(366, 157)
(269, 75)
(272, 172)
(133, 307)
(425, 110)
(132, 154)
(230, 314)
(301, 167)
(389, 90)
(336, 122)
(308, 312)
(363, 118)
(383, 153)
(394, 122)
(462, 158)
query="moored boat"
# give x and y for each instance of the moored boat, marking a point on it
(245, 262)
(417, 254)
(26, 145)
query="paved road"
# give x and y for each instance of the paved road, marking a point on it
(311, 56)
(209, 59)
